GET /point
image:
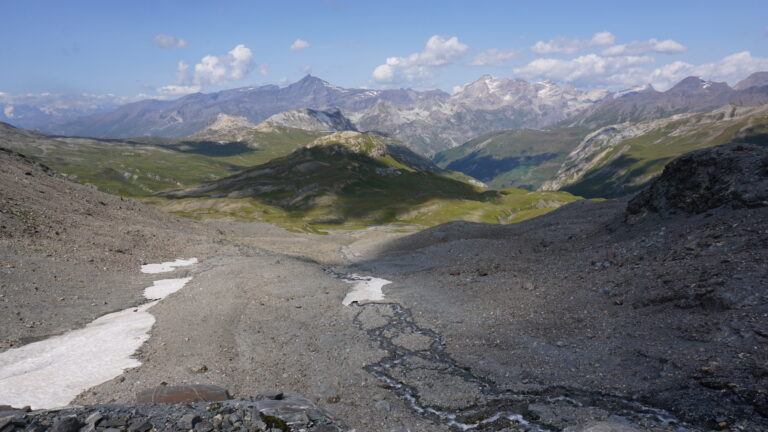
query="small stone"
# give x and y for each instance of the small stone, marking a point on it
(140, 425)
(94, 418)
(67, 424)
(188, 421)
(204, 426)
(383, 405)
(198, 368)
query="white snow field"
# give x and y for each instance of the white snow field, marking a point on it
(164, 287)
(367, 289)
(52, 372)
(167, 266)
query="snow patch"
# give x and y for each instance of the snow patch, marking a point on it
(52, 372)
(367, 289)
(165, 287)
(167, 266)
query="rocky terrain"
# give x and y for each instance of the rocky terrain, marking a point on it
(258, 413)
(330, 120)
(620, 159)
(661, 302)
(598, 316)
(70, 253)
(485, 105)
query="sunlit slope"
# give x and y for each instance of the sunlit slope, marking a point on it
(350, 178)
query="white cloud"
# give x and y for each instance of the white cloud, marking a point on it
(583, 69)
(645, 47)
(619, 72)
(306, 69)
(217, 70)
(299, 44)
(573, 46)
(173, 91)
(493, 57)
(439, 51)
(730, 69)
(263, 69)
(165, 41)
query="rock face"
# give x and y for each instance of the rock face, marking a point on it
(432, 125)
(620, 159)
(330, 120)
(733, 176)
(263, 412)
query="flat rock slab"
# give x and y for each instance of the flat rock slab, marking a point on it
(181, 394)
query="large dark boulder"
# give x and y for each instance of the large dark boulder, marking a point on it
(731, 176)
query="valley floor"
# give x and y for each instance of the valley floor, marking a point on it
(556, 323)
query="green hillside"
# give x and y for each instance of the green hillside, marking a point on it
(622, 159)
(522, 158)
(144, 166)
(353, 179)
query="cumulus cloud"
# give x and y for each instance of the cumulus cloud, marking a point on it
(581, 69)
(217, 70)
(299, 44)
(730, 69)
(646, 47)
(573, 46)
(493, 57)
(165, 41)
(439, 51)
(617, 72)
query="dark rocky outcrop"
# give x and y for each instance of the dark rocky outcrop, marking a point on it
(262, 412)
(733, 176)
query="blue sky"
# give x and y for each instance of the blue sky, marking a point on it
(135, 47)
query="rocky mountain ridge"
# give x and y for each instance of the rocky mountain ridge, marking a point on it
(692, 94)
(621, 158)
(329, 120)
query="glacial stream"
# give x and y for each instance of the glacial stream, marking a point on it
(496, 408)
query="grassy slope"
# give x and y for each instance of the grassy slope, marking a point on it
(351, 189)
(629, 166)
(144, 166)
(522, 158)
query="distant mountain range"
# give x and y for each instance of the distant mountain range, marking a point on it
(528, 157)
(504, 132)
(427, 121)
(48, 111)
(692, 94)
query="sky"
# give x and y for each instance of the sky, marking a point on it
(166, 49)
